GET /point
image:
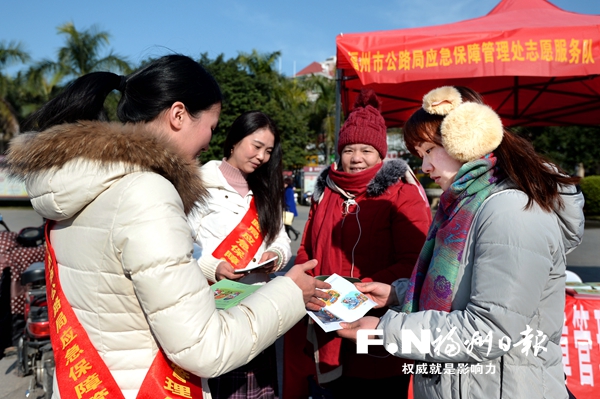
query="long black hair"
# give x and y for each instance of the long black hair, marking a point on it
(145, 94)
(266, 182)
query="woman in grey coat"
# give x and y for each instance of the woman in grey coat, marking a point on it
(482, 313)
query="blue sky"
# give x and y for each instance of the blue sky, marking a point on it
(304, 31)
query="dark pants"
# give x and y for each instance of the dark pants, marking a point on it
(290, 230)
(18, 328)
(352, 387)
(255, 380)
(5, 315)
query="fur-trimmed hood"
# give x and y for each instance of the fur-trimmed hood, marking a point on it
(108, 146)
(389, 174)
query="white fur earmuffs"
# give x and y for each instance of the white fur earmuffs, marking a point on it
(469, 130)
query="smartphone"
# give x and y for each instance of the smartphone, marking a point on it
(250, 268)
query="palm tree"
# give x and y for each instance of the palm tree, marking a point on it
(81, 53)
(291, 94)
(322, 117)
(37, 85)
(43, 77)
(9, 123)
(259, 64)
(10, 53)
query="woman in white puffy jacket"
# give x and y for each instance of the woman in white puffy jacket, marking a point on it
(117, 197)
(251, 172)
(240, 226)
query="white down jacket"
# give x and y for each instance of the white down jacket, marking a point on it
(124, 251)
(224, 209)
(510, 285)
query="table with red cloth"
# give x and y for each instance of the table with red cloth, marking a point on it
(580, 344)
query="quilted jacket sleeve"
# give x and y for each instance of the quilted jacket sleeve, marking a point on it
(514, 257)
(208, 263)
(154, 242)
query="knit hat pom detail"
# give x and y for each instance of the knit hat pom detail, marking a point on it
(365, 125)
(367, 97)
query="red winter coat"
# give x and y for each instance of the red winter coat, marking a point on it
(394, 218)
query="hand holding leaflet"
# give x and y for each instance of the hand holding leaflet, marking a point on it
(346, 304)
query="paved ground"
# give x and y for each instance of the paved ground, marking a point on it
(585, 261)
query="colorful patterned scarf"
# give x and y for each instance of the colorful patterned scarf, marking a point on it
(432, 281)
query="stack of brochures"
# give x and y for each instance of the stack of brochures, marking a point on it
(230, 293)
(346, 304)
(583, 290)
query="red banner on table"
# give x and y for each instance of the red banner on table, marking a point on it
(581, 346)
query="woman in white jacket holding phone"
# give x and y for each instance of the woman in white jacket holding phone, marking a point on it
(240, 227)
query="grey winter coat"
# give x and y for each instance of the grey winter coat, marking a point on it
(511, 279)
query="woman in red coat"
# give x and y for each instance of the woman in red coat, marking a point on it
(368, 220)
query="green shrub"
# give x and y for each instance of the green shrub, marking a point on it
(591, 191)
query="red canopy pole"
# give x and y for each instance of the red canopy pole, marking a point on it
(338, 110)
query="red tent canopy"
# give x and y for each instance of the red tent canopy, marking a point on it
(535, 64)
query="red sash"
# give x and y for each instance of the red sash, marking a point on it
(80, 371)
(240, 246)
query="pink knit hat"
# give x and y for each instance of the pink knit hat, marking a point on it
(365, 125)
